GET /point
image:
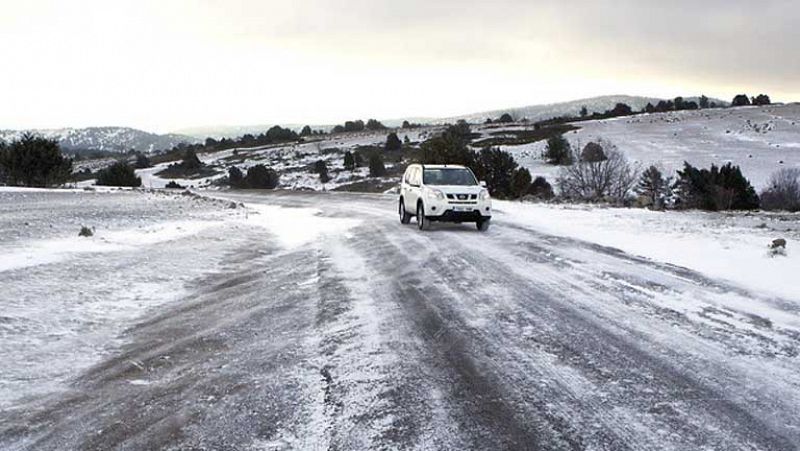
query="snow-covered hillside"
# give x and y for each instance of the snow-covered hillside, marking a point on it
(111, 139)
(293, 161)
(759, 139)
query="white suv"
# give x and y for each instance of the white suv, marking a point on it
(444, 193)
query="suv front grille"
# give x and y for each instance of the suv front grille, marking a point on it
(462, 196)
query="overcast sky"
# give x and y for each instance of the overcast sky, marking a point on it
(163, 65)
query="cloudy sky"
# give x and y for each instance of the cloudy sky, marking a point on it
(163, 65)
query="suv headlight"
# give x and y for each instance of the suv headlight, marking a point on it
(435, 194)
(484, 195)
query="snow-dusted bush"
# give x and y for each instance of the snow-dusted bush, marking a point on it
(261, 177)
(783, 192)
(118, 174)
(86, 232)
(609, 180)
(593, 152)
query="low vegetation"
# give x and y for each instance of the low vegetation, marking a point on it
(783, 192)
(523, 136)
(189, 167)
(359, 126)
(610, 179)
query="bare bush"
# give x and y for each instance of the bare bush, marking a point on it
(783, 192)
(609, 180)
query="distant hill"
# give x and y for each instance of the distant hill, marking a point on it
(237, 131)
(109, 139)
(542, 112)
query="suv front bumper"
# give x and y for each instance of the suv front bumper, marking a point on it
(448, 211)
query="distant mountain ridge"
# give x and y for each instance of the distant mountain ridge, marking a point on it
(532, 112)
(109, 139)
(123, 139)
(572, 108)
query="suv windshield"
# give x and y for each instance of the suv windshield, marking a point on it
(448, 176)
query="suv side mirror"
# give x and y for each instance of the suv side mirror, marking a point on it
(482, 183)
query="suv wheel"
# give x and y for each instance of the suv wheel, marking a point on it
(422, 221)
(483, 224)
(405, 218)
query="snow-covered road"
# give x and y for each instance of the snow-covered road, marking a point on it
(332, 326)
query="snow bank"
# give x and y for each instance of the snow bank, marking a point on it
(730, 247)
(40, 252)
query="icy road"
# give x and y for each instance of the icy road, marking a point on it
(333, 327)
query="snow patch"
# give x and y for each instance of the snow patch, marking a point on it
(294, 227)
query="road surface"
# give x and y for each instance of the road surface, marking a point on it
(384, 337)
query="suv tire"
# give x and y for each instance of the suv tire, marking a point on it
(405, 218)
(422, 221)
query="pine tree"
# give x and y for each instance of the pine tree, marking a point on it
(376, 167)
(349, 161)
(321, 168)
(393, 142)
(520, 182)
(558, 151)
(505, 119)
(654, 187)
(235, 177)
(34, 161)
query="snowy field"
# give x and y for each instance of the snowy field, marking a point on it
(729, 246)
(761, 140)
(316, 321)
